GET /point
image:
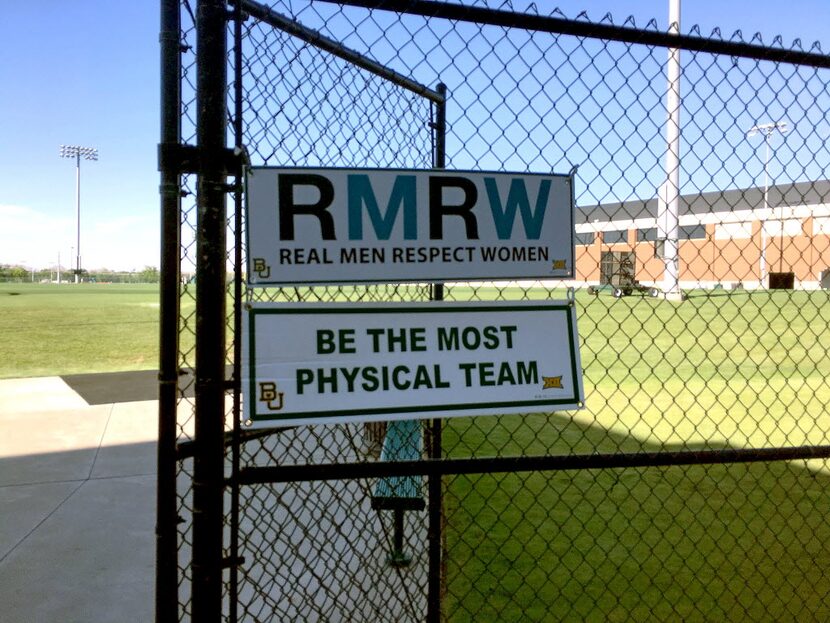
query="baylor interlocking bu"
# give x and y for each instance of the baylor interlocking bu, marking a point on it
(309, 226)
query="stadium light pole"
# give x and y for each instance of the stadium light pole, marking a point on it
(87, 153)
(767, 129)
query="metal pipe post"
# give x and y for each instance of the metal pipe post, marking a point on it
(208, 473)
(671, 274)
(238, 131)
(436, 502)
(166, 512)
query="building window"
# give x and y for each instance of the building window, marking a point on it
(691, 232)
(647, 235)
(615, 236)
(585, 237)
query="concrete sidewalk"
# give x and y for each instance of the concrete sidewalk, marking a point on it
(77, 504)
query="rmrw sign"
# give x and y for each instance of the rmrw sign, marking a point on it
(308, 226)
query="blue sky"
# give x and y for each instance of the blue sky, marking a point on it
(86, 73)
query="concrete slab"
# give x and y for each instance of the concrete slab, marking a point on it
(24, 507)
(77, 505)
(49, 446)
(128, 445)
(47, 393)
(92, 560)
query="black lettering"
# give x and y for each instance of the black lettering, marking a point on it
(437, 209)
(288, 209)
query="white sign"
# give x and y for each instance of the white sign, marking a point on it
(327, 226)
(331, 363)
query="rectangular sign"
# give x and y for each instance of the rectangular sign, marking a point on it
(332, 363)
(332, 226)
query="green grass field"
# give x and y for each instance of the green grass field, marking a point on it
(706, 543)
(64, 329)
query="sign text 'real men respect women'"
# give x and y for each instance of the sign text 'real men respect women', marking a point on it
(308, 226)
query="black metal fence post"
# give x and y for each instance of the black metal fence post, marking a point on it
(211, 59)
(166, 513)
(233, 584)
(436, 504)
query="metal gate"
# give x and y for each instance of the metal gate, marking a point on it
(691, 486)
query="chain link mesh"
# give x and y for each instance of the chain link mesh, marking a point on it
(736, 365)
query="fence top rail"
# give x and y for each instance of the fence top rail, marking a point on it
(318, 40)
(558, 25)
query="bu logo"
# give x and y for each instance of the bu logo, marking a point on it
(261, 268)
(269, 395)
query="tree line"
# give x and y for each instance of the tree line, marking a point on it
(20, 274)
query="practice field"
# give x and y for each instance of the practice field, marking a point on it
(52, 329)
(708, 543)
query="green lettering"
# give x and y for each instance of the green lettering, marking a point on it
(396, 372)
(467, 368)
(304, 377)
(527, 373)
(491, 338)
(375, 335)
(439, 382)
(447, 338)
(506, 374)
(417, 340)
(508, 332)
(485, 374)
(421, 378)
(370, 379)
(325, 342)
(324, 379)
(350, 375)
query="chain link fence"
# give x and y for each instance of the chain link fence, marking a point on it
(694, 483)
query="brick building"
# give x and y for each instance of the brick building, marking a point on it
(727, 238)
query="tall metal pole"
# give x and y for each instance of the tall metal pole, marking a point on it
(76, 152)
(167, 580)
(767, 129)
(78, 217)
(208, 471)
(671, 274)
